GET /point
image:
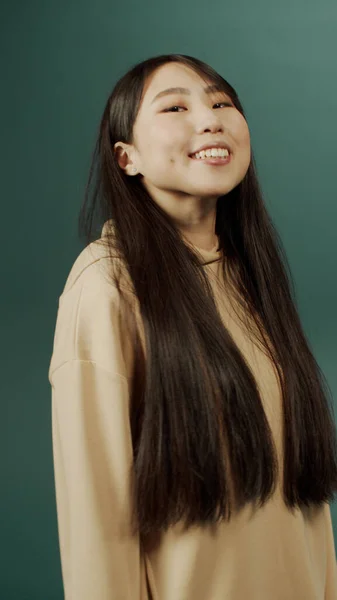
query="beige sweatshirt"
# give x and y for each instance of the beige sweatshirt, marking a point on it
(271, 554)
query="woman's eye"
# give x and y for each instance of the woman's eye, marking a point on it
(172, 108)
(224, 103)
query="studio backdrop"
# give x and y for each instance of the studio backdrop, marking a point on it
(59, 62)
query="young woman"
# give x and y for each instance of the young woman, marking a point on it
(193, 437)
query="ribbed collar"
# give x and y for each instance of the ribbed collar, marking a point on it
(207, 256)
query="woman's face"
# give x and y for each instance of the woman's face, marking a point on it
(171, 126)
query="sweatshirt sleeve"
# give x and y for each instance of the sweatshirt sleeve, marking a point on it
(331, 572)
(92, 445)
(92, 457)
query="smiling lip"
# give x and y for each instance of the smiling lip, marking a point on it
(212, 145)
(215, 160)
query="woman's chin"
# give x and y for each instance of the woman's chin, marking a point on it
(212, 192)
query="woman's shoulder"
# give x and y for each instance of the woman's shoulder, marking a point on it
(91, 263)
(98, 264)
(91, 322)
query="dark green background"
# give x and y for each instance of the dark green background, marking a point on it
(59, 61)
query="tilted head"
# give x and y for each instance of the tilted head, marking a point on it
(175, 107)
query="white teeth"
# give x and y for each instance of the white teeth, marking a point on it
(211, 153)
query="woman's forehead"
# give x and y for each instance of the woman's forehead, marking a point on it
(173, 77)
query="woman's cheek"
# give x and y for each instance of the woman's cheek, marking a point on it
(240, 128)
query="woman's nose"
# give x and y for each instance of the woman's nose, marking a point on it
(209, 121)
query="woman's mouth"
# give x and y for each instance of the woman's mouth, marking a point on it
(212, 156)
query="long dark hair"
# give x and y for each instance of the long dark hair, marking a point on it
(198, 396)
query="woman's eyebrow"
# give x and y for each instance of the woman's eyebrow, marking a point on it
(210, 89)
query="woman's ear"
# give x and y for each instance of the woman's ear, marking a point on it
(122, 152)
